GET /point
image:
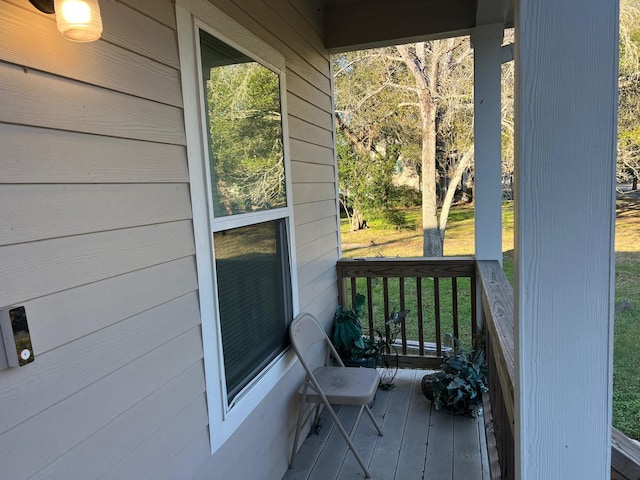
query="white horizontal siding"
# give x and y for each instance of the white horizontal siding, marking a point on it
(313, 172)
(28, 450)
(309, 212)
(160, 11)
(308, 152)
(57, 374)
(140, 33)
(309, 133)
(40, 268)
(308, 293)
(313, 192)
(321, 245)
(323, 301)
(39, 155)
(307, 273)
(160, 448)
(56, 210)
(311, 93)
(308, 112)
(96, 241)
(85, 309)
(128, 72)
(107, 446)
(34, 98)
(309, 232)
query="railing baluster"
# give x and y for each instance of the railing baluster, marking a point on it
(354, 291)
(436, 307)
(474, 313)
(385, 289)
(403, 326)
(342, 286)
(454, 306)
(370, 305)
(420, 319)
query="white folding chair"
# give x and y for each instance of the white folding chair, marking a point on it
(330, 385)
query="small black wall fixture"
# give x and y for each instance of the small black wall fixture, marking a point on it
(45, 6)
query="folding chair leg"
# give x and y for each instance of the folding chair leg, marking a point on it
(356, 423)
(316, 420)
(375, 424)
(295, 437)
(347, 438)
(303, 404)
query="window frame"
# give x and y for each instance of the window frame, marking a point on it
(193, 16)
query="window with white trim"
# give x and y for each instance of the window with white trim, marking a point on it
(236, 129)
(242, 105)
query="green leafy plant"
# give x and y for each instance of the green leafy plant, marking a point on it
(458, 387)
(347, 332)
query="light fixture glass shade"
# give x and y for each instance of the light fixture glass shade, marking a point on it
(79, 20)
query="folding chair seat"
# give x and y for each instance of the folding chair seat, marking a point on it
(329, 385)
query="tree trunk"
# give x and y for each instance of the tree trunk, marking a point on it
(432, 241)
(358, 221)
(343, 202)
(463, 165)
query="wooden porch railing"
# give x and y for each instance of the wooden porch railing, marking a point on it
(497, 309)
(440, 292)
(625, 457)
(390, 283)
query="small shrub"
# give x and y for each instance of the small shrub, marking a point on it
(459, 386)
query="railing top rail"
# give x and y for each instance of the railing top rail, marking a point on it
(625, 456)
(497, 302)
(407, 267)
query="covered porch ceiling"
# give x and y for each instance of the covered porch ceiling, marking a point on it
(360, 24)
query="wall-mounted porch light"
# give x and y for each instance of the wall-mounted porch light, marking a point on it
(78, 20)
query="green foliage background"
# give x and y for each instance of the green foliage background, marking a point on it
(246, 150)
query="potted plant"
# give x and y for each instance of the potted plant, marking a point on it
(353, 347)
(458, 387)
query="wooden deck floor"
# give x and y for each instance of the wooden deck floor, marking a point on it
(419, 442)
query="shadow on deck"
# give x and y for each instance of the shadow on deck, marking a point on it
(419, 441)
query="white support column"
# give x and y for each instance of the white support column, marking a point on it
(566, 100)
(487, 41)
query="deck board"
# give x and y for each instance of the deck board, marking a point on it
(335, 448)
(439, 454)
(414, 440)
(466, 450)
(419, 442)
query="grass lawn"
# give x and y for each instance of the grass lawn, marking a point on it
(381, 239)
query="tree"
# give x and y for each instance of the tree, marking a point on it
(370, 135)
(245, 140)
(416, 98)
(364, 176)
(628, 165)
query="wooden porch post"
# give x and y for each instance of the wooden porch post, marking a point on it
(487, 41)
(566, 100)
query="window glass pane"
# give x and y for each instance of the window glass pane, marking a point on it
(244, 130)
(254, 298)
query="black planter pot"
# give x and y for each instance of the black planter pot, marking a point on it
(360, 362)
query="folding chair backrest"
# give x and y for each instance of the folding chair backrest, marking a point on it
(309, 341)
